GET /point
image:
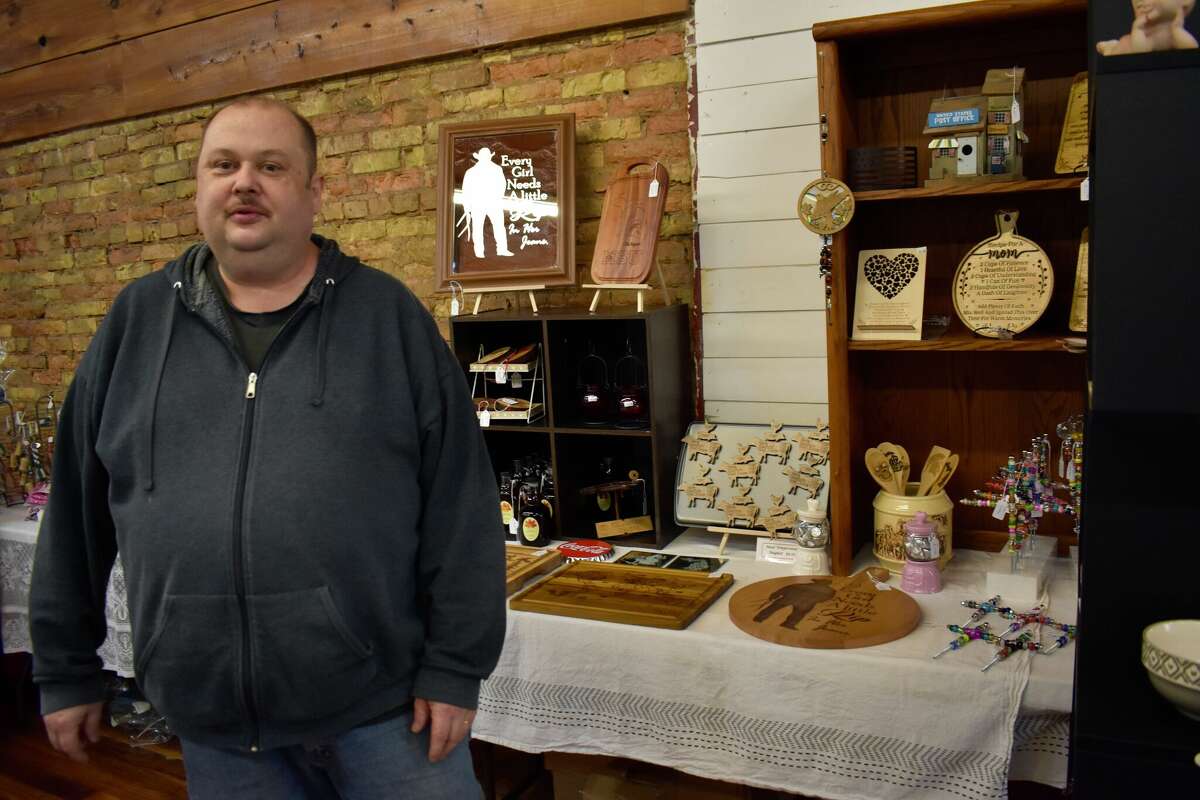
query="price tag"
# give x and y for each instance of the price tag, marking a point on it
(514, 526)
(1001, 510)
(1085, 189)
(1016, 111)
(1037, 511)
(935, 546)
(502, 374)
(1071, 470)
(516, 380)
(653, 188)
(485, 419)
(454, 307)
(777, 551)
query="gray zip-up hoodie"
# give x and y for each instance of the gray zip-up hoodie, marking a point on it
(306, 548)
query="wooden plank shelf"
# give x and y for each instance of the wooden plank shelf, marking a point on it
(963, 341)
(968, 189)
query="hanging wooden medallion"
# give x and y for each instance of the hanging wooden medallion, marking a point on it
(825, 206)
(1004, 284)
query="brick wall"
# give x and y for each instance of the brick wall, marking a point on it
(83, 213)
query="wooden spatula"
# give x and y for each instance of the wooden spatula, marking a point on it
(948, 467)
(898, 458)
(932, 468)
(880, 467)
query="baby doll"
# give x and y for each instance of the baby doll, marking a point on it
(1157, 25)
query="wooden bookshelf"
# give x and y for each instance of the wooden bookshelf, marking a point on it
(982, 398)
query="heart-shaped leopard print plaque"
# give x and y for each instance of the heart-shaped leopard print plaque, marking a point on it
(889, 276)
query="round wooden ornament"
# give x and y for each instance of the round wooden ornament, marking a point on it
(825, 612)
(825, 206)
(1004, 284)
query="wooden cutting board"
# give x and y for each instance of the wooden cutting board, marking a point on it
(658, 598)
(523, 563)
(629, 223)
(824, 612)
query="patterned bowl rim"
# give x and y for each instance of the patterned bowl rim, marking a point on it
(1183, 662)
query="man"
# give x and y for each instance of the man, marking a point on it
(283, 450)
(483, 199)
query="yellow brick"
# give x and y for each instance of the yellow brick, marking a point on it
(411, 226)
(602, 130)
(88, 205)
(388, 138)
(85, 325)
(364, 98)
(158, 252)
(157, 156)
(143, 140)
(130, 271)
(364, 231)
(473, 101)
(355, 209)
(96, 257)
(158, 194)
(314, 104)
(187, 151)
(116, 234)
(136, 126)
(107, 185)
(46, 194)
(172, 172)
(107, 145)
(91, 169)
(336, 145)
(185, 189)
(332, 211)
(656, 73)
(414, 157)
(375, 161)
(168, 230)
(133, 232)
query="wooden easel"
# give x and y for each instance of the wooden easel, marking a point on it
(480, 291)
(640, 288)
(727, 532)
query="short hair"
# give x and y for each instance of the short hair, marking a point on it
(307, 134)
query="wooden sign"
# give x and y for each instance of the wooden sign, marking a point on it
(1073, 146)
(1004, 284)
(824, 612)
(1079, 299)
(825, 206)
(523, 563)
(890, 298)
(658, 598)
(629, 220)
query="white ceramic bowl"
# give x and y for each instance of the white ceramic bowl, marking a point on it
(1171, 656)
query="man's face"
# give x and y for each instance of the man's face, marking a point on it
(253, 190)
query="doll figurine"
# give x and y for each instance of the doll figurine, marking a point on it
(1157, 25)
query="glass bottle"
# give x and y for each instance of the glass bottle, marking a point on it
(535, 516)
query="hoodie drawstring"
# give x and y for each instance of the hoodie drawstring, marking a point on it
(176, 299)
(318, 394)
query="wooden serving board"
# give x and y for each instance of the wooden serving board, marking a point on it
(824, 612)
(658, 598)
(629, 223)
(523, 563)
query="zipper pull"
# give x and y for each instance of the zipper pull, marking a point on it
(250, 384)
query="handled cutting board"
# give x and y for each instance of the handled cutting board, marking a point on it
(523, 563)
(629, 223)
(658, 598)
(824, 612)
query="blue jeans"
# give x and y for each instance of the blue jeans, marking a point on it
(383, 761)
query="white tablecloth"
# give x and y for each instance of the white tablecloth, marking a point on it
(878, 722)
(17, 541)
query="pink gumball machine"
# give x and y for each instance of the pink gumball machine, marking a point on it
(922, 548)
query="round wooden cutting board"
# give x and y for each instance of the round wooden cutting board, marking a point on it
(824, 612)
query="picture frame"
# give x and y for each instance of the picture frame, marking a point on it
(506, 202)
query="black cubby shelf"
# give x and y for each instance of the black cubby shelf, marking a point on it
(659, 342)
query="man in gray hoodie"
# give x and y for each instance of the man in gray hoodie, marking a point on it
(282, 449)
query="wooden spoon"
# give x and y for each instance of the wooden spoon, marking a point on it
(930, 472)
(901, 465)
(880, 468)
(948, 468)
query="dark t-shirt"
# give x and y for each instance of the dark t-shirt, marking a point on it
(253, 332)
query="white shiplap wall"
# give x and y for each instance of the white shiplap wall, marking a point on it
(762, 300)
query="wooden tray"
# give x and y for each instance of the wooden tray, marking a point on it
(523, 563)
(658, 598)
(822, 612)
(629, 223)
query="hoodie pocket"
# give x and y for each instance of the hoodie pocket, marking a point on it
(309, 663)
(189, 667)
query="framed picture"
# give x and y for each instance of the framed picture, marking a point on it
(506, 202)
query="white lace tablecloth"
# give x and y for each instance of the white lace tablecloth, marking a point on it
(18, 538)
(877, 722)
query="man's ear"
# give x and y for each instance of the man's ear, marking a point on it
(317, 187)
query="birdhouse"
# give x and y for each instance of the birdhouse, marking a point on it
(1005, 122)
(979, 137)
(956, 125)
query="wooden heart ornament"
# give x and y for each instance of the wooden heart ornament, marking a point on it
(889, 276)
(825, 612)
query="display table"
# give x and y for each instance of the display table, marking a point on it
(878, 722)
(18, 538)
